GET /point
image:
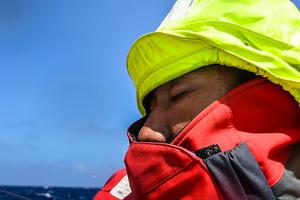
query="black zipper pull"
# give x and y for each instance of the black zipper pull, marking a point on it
(208, 151)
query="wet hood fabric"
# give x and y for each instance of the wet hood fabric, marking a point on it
(258, 36)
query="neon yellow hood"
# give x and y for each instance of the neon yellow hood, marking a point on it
(261, 36)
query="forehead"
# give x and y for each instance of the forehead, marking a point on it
(191, 78)
(201, 75)
(187, 78)
(208, 77)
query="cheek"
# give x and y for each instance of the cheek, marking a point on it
(184, 111)
(194, 104)
(202, 99)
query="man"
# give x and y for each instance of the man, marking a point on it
(213, 127)
(173, 105)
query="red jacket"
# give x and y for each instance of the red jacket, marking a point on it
(253, 128)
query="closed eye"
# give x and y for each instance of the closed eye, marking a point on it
(179, 96)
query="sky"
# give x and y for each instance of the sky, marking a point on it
(66, 99)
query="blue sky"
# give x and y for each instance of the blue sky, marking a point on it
(66, 99)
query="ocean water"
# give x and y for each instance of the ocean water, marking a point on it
(46, 193)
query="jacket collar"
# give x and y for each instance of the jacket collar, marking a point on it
(258, 113)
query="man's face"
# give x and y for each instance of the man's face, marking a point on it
(174, 104)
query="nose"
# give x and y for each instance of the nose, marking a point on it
(155, 127)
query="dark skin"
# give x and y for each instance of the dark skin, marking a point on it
(174, 104)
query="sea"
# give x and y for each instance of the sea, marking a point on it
(46, 193)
